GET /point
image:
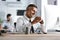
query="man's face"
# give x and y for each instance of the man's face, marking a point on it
(8, 19)
(31, 11)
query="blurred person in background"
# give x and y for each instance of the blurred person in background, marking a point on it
(8, 23)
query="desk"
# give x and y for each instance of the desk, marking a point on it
(30, 36)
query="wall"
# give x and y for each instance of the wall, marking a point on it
(50, 14)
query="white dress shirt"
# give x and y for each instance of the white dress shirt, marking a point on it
(22, 22)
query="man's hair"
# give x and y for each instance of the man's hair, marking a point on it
(31, 5)
(8, 15)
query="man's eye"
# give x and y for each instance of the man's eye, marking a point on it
(34, 10)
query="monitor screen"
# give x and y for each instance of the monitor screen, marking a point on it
(20, 12)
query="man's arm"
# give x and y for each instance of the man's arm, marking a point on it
(19, 24)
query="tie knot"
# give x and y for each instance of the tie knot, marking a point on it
(29, 20)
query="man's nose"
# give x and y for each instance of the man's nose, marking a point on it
(33, 13)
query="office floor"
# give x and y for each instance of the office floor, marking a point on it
(49, 36)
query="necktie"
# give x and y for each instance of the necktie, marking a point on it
(32, 29)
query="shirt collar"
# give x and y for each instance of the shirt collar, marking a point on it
(26, 17)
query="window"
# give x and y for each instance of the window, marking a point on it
(20, 12)
(18, 0)
(3, 0)
(52, 2)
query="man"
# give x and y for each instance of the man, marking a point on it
(8, 24)
(26, 22)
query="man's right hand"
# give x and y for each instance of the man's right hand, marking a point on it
(37, 19)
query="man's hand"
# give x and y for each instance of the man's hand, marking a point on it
(41, 22)
(37, 19)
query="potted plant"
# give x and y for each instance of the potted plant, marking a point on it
(0, 26)
(1, 21)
